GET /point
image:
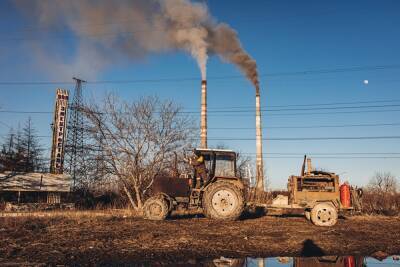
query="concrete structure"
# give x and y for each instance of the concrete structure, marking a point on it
(59, 132)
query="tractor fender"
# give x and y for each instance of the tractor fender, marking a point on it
(236, 181)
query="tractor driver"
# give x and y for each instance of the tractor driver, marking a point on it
(201, 171)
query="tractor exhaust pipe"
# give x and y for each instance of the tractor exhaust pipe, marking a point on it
(203, 119)
(303, 167)
(259, 156)
(309, 166)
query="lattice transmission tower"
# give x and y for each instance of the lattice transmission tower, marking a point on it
(75, 148)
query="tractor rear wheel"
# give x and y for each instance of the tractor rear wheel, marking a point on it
(155, 208)
(223, 200)
(324, 214)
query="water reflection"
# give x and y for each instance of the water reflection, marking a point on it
(324, 261)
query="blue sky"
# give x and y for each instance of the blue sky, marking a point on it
(284, 37)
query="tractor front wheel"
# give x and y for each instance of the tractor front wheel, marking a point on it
(155, 208)
(223, 200)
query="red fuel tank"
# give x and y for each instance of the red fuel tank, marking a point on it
(345, 195)
(349, 261)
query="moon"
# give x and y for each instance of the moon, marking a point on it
(366, 81)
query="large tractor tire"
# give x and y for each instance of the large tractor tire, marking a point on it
(156, 208)
(222, 200)
(324, 214)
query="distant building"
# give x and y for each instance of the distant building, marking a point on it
(34, 191)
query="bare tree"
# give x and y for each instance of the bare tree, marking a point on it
(383, 182)
(138, 140)
(381, 195)
(243, 164)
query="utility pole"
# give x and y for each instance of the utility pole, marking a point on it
(75, 139)
(259, 155)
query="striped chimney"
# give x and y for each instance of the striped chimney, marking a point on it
(259, 155)
(203, 119)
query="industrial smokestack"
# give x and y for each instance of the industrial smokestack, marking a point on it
(203, 119)
(259, 156)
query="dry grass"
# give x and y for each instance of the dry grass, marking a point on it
(381, 203)
(74, 214)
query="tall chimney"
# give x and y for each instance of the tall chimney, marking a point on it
(259, 156)
(203, 120)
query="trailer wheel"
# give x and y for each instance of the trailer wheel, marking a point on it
(324, 214)
(222, 200)
(155, 208)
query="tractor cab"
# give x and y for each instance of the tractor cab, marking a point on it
(219, 197)
(219, 162)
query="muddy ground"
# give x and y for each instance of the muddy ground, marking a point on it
(117, 240)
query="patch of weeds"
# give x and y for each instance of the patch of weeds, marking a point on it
(34, 226)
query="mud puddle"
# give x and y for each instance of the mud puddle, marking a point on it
(323, 261)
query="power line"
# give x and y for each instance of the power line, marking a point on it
(289, 157)
(300, 127)
(5, 124)
(299, 109)
(211, 109)
(384, 157)
(307, 138)
(237, 111)
(277, 74)
(324, 154)
(301, 114)
(25, 112)
(290, 138)
(273, 157)
(273, 127)
(280, 127)
(310, 127)
(313, 104)
(250, 115)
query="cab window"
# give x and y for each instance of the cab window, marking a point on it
(225, 166)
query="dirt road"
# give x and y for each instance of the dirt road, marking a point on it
(104, 240)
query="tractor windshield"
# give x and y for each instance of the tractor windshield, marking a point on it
(225, 166)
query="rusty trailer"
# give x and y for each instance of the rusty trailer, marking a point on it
(317, 195)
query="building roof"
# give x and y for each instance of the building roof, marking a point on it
(45, 182)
